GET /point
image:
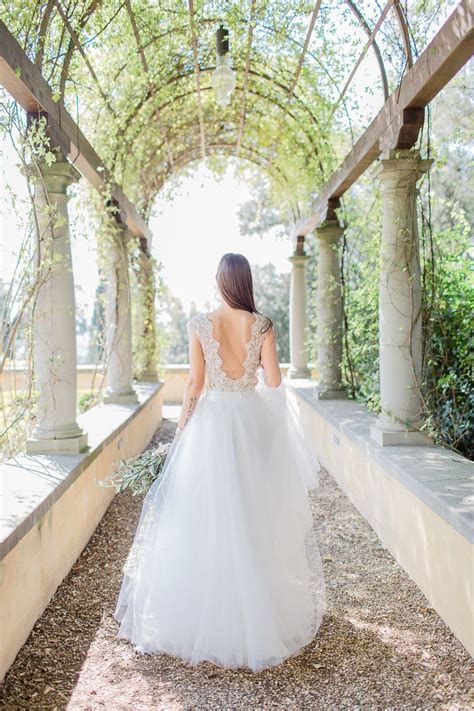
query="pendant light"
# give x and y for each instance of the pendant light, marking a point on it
(223, 76)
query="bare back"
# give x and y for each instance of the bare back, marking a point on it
(231, 343)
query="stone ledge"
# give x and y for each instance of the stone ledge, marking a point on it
(443, 480)
(31, 484)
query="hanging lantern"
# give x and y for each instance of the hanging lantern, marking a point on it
(223, 76)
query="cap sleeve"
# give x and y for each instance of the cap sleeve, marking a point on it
(193, 326)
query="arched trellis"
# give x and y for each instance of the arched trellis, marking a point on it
(203, 21)
(122, 137)
(365, 26)
(251, 155)
(270, 31)
(180, 128)
(303, 118)
(400, 15)
(176, 79)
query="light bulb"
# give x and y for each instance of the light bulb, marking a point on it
(223, 80)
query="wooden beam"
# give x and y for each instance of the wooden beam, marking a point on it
(25, 83)
(398, 123)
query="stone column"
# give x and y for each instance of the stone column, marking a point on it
(298, 321)
(55, 359)
(329, 312)
(400, 338)
(118, 321)
(146, 318)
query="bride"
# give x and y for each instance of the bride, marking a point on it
(225, 565)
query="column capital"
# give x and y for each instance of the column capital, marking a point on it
(55, 177)
(329, 231)
(400, 168)
(298, 260)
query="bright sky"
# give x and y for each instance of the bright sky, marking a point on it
(198, 226)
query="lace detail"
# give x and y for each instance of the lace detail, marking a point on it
(201, 325)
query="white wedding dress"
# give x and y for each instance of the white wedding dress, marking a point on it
(225, 563)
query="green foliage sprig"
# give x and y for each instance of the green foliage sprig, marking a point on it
(138, 473)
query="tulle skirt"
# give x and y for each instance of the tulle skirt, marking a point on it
(225, 564)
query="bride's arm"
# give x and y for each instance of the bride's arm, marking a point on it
(269, 359)
(195, 381)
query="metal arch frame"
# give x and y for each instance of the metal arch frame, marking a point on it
(276, 81)
(136, 33)
(405, 30)
(268, 30)
(239, 89)
(246, 77)
(192, 91)
(192, 154)
(70, 48)
(402, 21)
(183, 124)
(378, 54)
(197, 72)
(174, 79)
(76, 41)
(403, 25)
(307, 40)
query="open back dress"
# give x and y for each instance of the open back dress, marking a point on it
(225, 564)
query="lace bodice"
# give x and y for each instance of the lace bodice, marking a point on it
(202, 326)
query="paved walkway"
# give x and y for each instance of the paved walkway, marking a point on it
(381, 646)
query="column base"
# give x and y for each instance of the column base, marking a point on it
(294, 372)
(149, 376)
(68, 445)
(322, 392)
(125, 398)
(392, 434)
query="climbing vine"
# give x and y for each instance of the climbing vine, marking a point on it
(135, 77)
(34, 264)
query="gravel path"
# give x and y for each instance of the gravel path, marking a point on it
(381, 645)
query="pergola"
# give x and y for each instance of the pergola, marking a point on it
(148, 103)
(136, 76)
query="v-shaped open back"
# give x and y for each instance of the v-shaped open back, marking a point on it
(231, 351)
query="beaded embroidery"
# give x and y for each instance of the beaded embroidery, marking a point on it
(201, 325)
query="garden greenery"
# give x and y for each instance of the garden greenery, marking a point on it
(135, 76)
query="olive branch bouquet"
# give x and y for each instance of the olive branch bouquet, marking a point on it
(138, 473)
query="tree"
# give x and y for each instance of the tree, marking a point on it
(272, 297)
(175, 348)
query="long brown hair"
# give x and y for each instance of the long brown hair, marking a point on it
(234, 279)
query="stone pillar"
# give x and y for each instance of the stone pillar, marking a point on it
(118, 321)
(400, 302)
(146, 318)
(55, 359)
(298, 321)
(329, 312)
